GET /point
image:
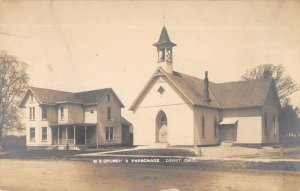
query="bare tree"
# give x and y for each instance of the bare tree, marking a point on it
(285, 85)
(13, 84)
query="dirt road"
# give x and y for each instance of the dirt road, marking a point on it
(71, 175)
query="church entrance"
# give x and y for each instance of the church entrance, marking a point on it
(161, 127)
(228, 133)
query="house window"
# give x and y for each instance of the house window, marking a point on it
(215, 127)
(32, 113)
(32, 134)
(274, 125)
(62, 113)
(203, 126)
(108, 97)
(266, 124)
(44, 113)
(109, 113)
(109, 133)
(44, 134)
(31, 97)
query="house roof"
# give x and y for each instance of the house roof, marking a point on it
(125, 121)
(237, 94)
(164, 38)
(49, 96)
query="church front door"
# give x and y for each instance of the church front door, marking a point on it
(161, 127)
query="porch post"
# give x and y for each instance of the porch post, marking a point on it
(85, 135)
(67, 137)
(97, 136)
(74, 135)
(58, 135)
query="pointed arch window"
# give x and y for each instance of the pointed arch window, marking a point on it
(202, 126)
(215, 127)
(266, 123)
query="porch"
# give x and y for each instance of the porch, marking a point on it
(70, 136)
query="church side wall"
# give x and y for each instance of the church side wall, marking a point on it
(209, 116)
(270, 128)
(249, 127)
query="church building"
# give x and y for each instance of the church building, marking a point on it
(178, 109)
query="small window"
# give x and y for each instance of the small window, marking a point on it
(109, 133)
(161, 90)
(62, 113)
(32, 134)
(44, 112)
(109, 113)
(31, 97)
(108, 97)
(203, 126)
(32, 113)
(44, 134)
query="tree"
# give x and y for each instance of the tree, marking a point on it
(13, 84)
(285, 85)
(289, 115)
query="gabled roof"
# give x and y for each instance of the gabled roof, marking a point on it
(52, 97)
(164, 38)
(192, 88)
(238, 94)
(249, 93)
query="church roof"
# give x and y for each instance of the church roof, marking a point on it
(164, 38)
(49, 96)
(239, 94)
(193, 88)
(248, 93)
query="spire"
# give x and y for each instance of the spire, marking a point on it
(164, 39)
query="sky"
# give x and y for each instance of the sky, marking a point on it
(85, 45)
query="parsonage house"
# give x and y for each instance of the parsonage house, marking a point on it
(177, 109)
(64, 120)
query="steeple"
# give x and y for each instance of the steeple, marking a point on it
(164, 50)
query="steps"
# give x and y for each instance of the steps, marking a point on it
(226, 144)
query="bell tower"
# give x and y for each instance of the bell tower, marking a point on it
(164, 51)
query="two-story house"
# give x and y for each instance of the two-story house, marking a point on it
(59, 119)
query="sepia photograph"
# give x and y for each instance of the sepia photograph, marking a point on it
(164, 95)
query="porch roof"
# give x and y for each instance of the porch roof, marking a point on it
(228, 121)
(73, 124)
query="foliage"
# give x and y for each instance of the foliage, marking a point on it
(288, 117)
(285, 85)
(13, 84)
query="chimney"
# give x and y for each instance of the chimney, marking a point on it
(206, 91)
(266, 74)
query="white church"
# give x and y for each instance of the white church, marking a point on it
(178, 109)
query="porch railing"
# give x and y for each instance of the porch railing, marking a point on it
(66, 141)
(91, 141)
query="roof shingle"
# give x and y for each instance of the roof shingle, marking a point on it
(228, 95)
(49, 96)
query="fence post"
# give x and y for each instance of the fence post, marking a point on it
(197, 150)
(281, 152)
